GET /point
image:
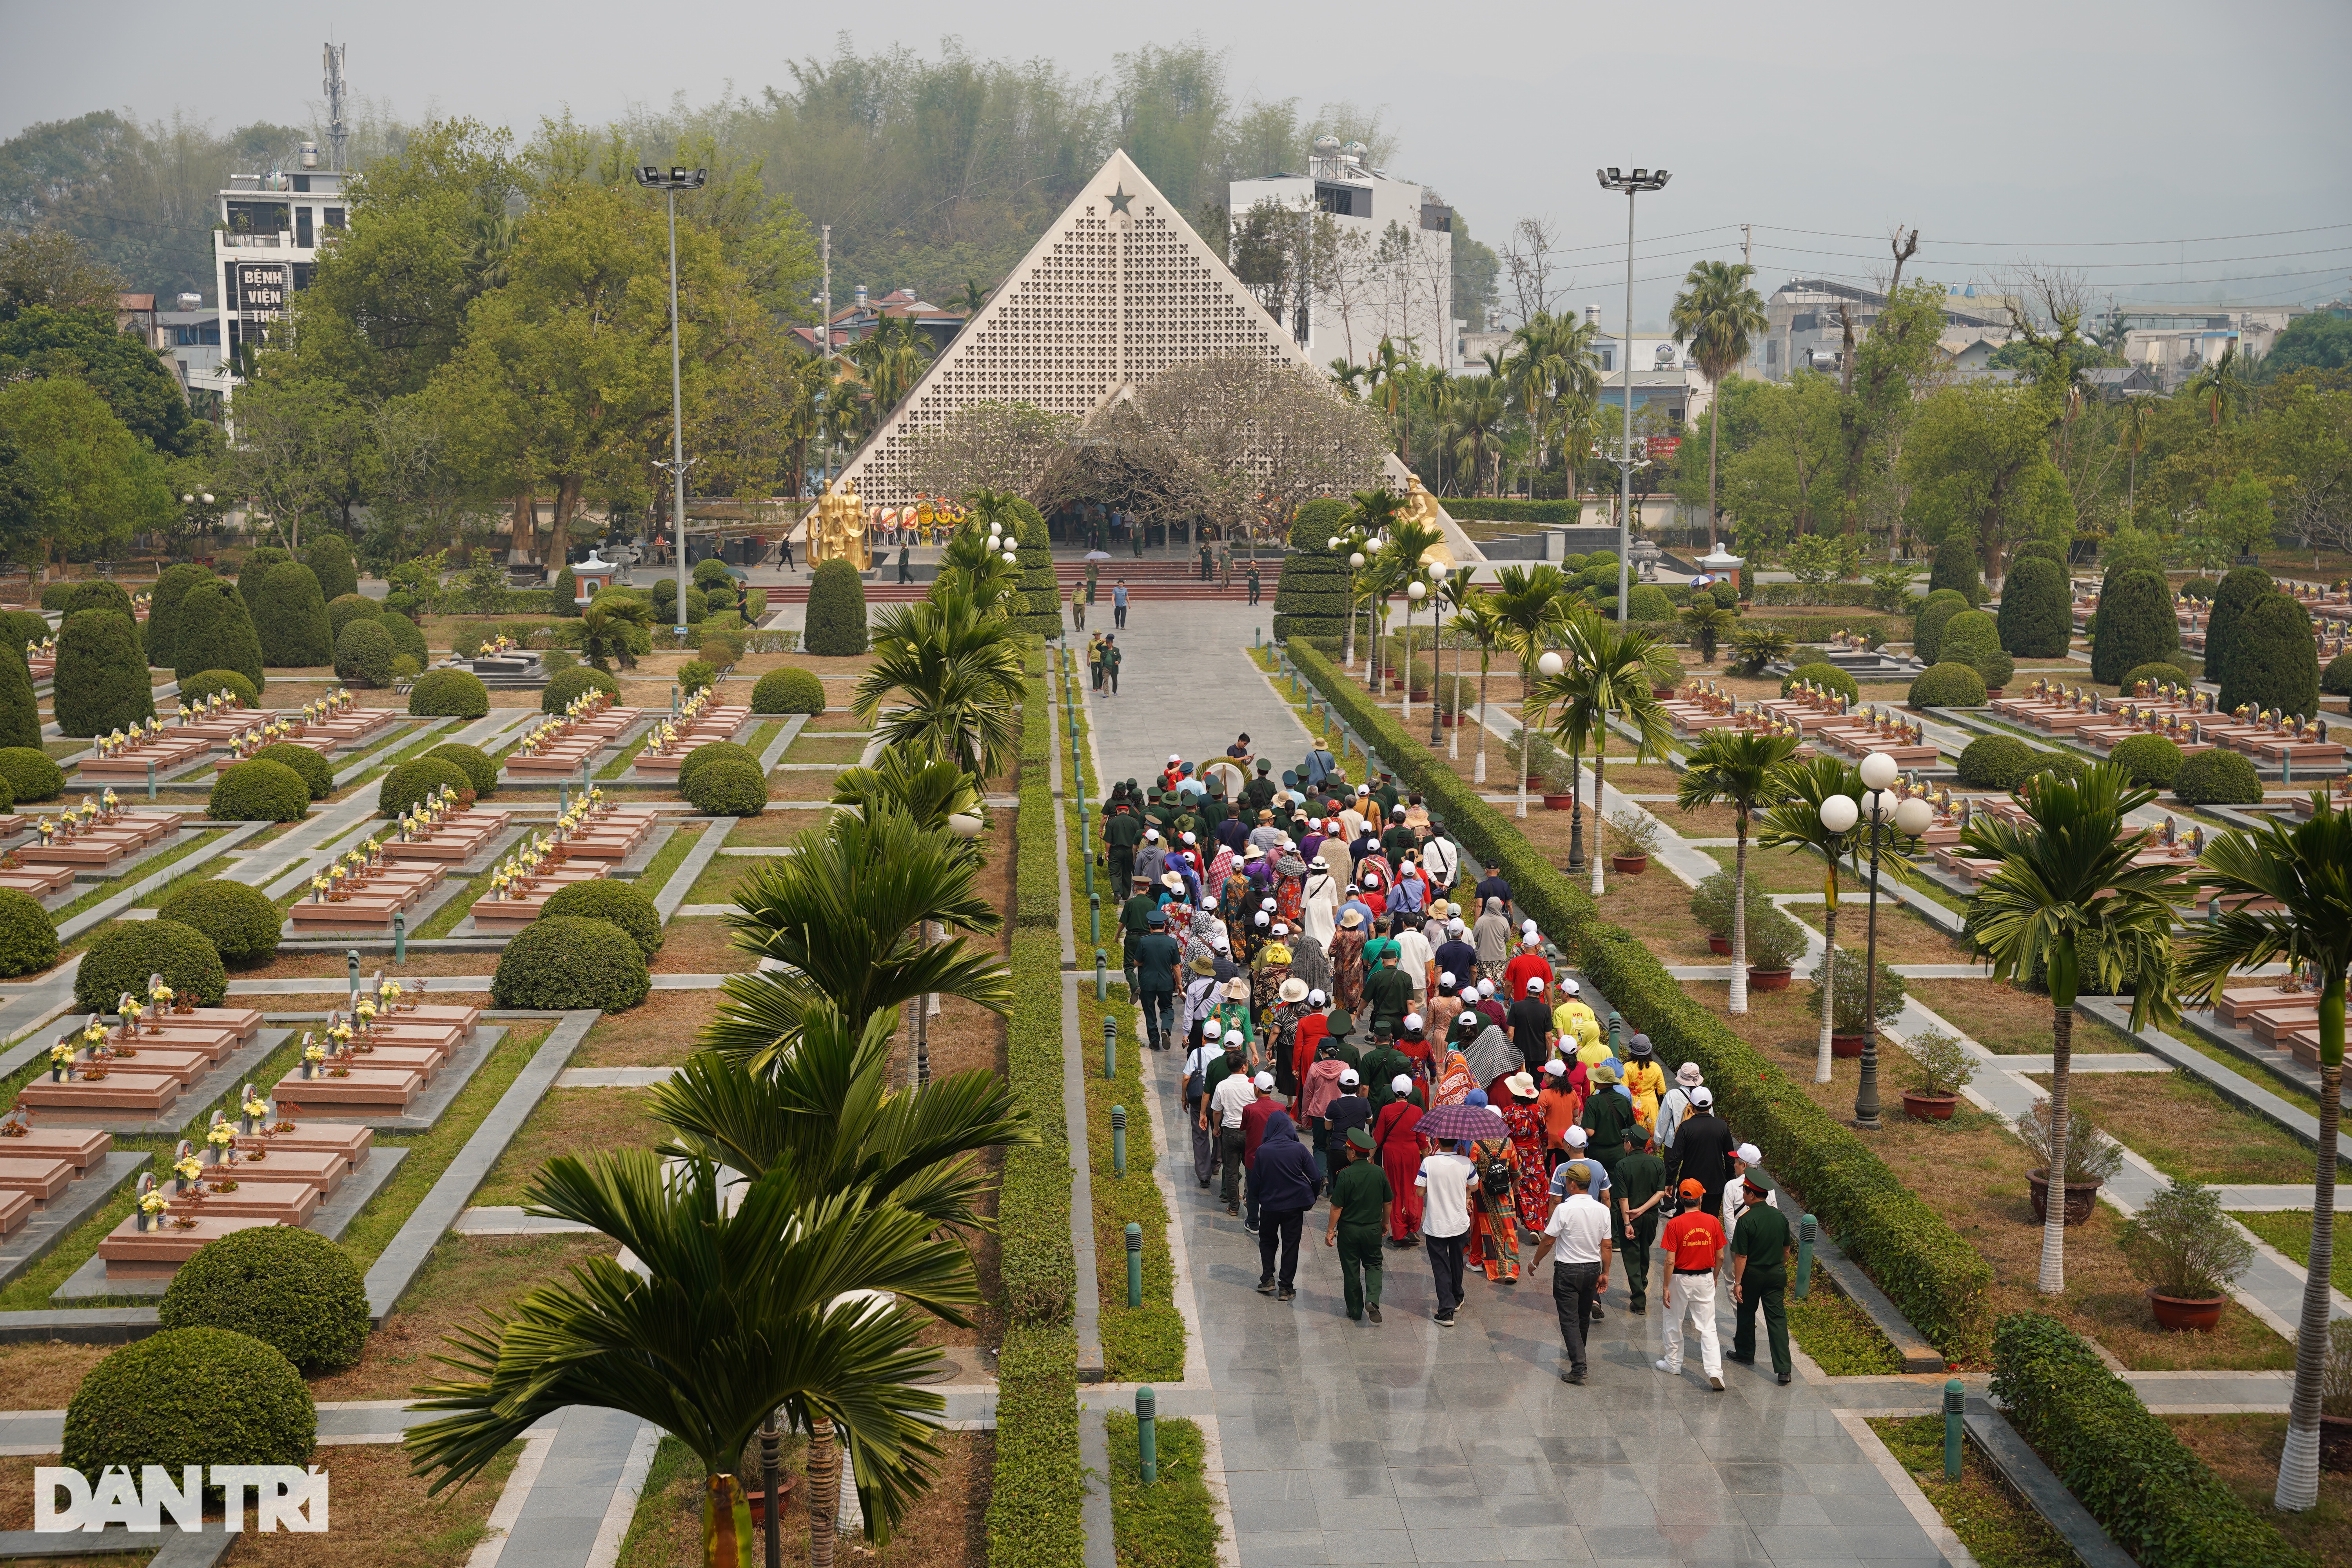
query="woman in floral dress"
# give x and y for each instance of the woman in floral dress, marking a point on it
(1348, 962)
(1524, 1116)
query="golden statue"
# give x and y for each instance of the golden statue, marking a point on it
(1421, 507)
(836, 527)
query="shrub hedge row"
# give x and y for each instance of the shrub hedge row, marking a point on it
(1515, 508)
(1935, 1276)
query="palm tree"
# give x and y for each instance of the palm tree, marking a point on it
(971, 568)
(1454, 593)
(1483, 623)
(1794, 823)
(1401, 563)
(1531, 609)
(610, 629)
(2302, 873)
(930, 790)
(752, 1299)
(1478, 410)
(1613, 671)
(2068, 902)
(959, 671)
(1739, 768)
(1391, 371)
(1707, 622)
(1719, 314)
(2219, 385)
(1553, 364)
(2138, 419)
(1375, 510)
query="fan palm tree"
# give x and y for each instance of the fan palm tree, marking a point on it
(611, 630)
(752, 1300)
(1402, 562)
(1613, 673)
(2219, 385)
(1390, 371)
(2068, 902)
(1483, 623)
(1707, 622)
(930, 790)
(1794, 823)
(959, 671)
(1719, 314)
(1531, 609)
(1373, 511)
(1741, 769)
(2303, 872)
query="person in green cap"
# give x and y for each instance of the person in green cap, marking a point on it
(1759, 1276)
(1383, 1064)
(1388, 992)
(1639, 1193)
(1359, 1213)
(1341, 1034)
(1134, 925)
(1121, 833)
(1259, 793)
(1608, 1119)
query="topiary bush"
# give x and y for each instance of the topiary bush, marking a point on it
(1955, 568)
(20, 708)
(2151, 760)
(2136, 625)
(2337, 681)
(290, 615)
(214, 631)
(1948, 685)
(349, 608)
(2036, 609)
(125, 952)
(712, 573)
(835, 623)
(477, 764)
(2238, 593)
(291, 1289)
(559, 962)
(1648, 602)
(55, 595)
(255, 566)
(19, 628)
(1973, 638)
(1822, 675)
(566, 687)
(1310, 596)
(1314, 523)
(695, 674)
(328, 557)
(410, 783)
(242, 923)
(203, 683)
(788, 690)
(98, 594)
(564, 594)
(163, 611)
(449, 694)
(2038, 549)
(190, 1396)
(1927, 626)
(2275, 661)
(728, 787)
(2155, 675)
(318, 774)
(28, 938)
(31, 776)
(1996, 761)
(364, 655)
(711, 752)
(2067, 765)
(102, 678)
(259, 791)
(2219, 777)
(405, 639)
(624, 904)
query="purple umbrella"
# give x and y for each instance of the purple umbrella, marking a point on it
(1448, 1123)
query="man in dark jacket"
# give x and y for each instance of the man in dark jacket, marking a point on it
(1286, 1184)
(1156, 958)
(1703, 1148)
(1258, 793)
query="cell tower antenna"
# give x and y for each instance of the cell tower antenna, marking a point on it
(337, 132)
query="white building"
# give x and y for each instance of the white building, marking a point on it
(276, 224)
(1396, 277)
(1807, 325)
(2172, 345)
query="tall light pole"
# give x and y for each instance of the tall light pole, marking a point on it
(670, 182)
(1887, 818)
(1633, 184)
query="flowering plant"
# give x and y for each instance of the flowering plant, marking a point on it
(189, 1169)
(153, 1203)
(314, 1053)
(221, 1135)
(256, 1106)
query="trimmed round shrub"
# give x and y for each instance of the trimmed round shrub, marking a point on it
(410, 783)
(566, 687)
(624, 904)
(2135, 624)
(2038, 549)
(794, 692)
(2240, 592)
(19, 628)
(7, 796)
(1821, 674)
(241, 921)
(2275, 663)
(712, 573)
(711, 752)
(163, 611)
(1313, 525)
(2069, 765)
(2159, 674)
(695, 674)
(259, 791)
(317, 773)
(399, 604)
(214, 632)
(2337, 681)
(835, 625)
(342, 610)
(2201, 588)
(20, 709)
(563, 592)
(205, 682)
(1973, 638)
(291, 1289)
(556, 660)
(1927, 626)
(1996, 761)
(2036, 610)
(473, 762)
(727, 788)
(1955, 568)
(55, 595)
(290, 615)
(1648, 602)
(190, 1396)
(126, 952)
(255, 566)
(2151, 760)
(559, 962)
(98, 594)
(28, 938)
(101, 679)
(2219, 777)
(31, 775)
(1948, 685)
(328, 557)
(449, 694)
(405, 638)
(364, 655)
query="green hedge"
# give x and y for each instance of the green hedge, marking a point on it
(1514, 508)
(2219, 777)
(834, 624)
(2160, 1501)
(1935, 1276)
(1947, 686)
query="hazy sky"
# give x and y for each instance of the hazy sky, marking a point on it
(2001, 130)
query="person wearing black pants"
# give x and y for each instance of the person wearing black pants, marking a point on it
(1580, 1271)
(1283, 1178)
(1445, 1182)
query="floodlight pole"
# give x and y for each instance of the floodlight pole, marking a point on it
(670, 184)
(1631, 184)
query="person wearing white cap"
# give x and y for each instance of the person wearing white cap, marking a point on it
(1674, 1104)
(1735, 1197)
(1231, 1097)
(1349, 1110)
(1254, 1120)
(1527, 964)
(1701, 1152)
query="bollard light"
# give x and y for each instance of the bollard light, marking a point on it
(1955, 1403)
(351, 965)
(1134, 1263)
(1094, 914)
(1147, 1434)
(1102, 977)
(1110, 1047)
(1807, 1229)
(399, 936)
(1118, 1140)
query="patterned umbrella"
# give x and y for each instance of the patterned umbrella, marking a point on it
(1448, 1123)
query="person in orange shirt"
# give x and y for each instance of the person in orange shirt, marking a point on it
(1691, 1242)
(1559, 1104)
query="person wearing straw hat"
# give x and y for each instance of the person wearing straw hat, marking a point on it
(1199, 997)
(1691, 1242)
(1523, 1115)
(1361, 1202)
(1233, 1011)
(1759, 1277)
(1282, 1020)
(1580, 1226)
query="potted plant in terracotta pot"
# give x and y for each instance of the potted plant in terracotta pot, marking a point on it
(2091, 1158)
(2185, 1250)
(1535, 757)
(1942, 1068)
(1848, 1029)
(1633, 838)
(2336, 1398)
(1774, 942)
(1710, 906)
(1560, 782)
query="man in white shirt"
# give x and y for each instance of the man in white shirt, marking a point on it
(1579, 1226)
(1232, 1096)
(1446, 1180)
(1675, 1104)
(1413, 955)
(1735, 1191)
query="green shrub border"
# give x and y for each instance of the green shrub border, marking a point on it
(1926, 1268)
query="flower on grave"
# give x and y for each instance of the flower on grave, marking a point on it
(153, 1203)
(339, 1032)
(93, 1033)
(366, 1010)
(319, 887)
(157, 992)
(188, 1169)
(389, 990)
(62, 1053)
(109, 799)
(221, 1135)
(255, 1107)
(312, 1052)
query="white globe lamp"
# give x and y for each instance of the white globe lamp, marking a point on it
(1548, 664)
(1877, 770)
(1914, 817)
(1414, 591)
(964, 825)
(1357, 561)
(1839, 813)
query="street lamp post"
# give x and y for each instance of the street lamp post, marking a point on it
(1355, 565)
(1436, 655)
(1889, 817)
(669, 183)
(1413, 591)
(1633, 184)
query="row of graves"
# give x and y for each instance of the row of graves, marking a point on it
(1816, 716)
(699, 721)
(2187, 717)
(2268, 1018)
(570, 742)
(220, 722)
(2330, 608)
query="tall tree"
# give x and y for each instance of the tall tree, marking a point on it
(1977, 461)
(1719, 314)
(1740, 769)
(1531, 608)
(89, 481)
(1613, 671)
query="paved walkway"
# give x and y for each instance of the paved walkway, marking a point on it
(1186, 685)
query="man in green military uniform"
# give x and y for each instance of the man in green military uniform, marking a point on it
(1341, 1034)
(1759, 1274)
(1359, 1214)
(1397, 838)
(1638, 1190)
(1388, 993)
(1383, 1064)
(1213, 807)
(1134, 923)
(1259, 793)
(1608, 1118)
(1121, 834)
(1252, 582)
(1153, 982)
(1161, 813)
(1384, 790)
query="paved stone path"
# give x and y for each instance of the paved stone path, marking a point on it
(1187, 685)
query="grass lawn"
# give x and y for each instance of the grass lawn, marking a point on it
(1999, 1530)
(841, 749)
(2007, 1020)
(776, 827)
(2289, 1230)
(567, 1122)
(719, 880)
(1904, 937)
(2244, 1451)
(1831, 1329)
(2179, 1124)
(701, 945)
(801, 785)
(659, 1032)
(1171, 1524)
(1146, 1343)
